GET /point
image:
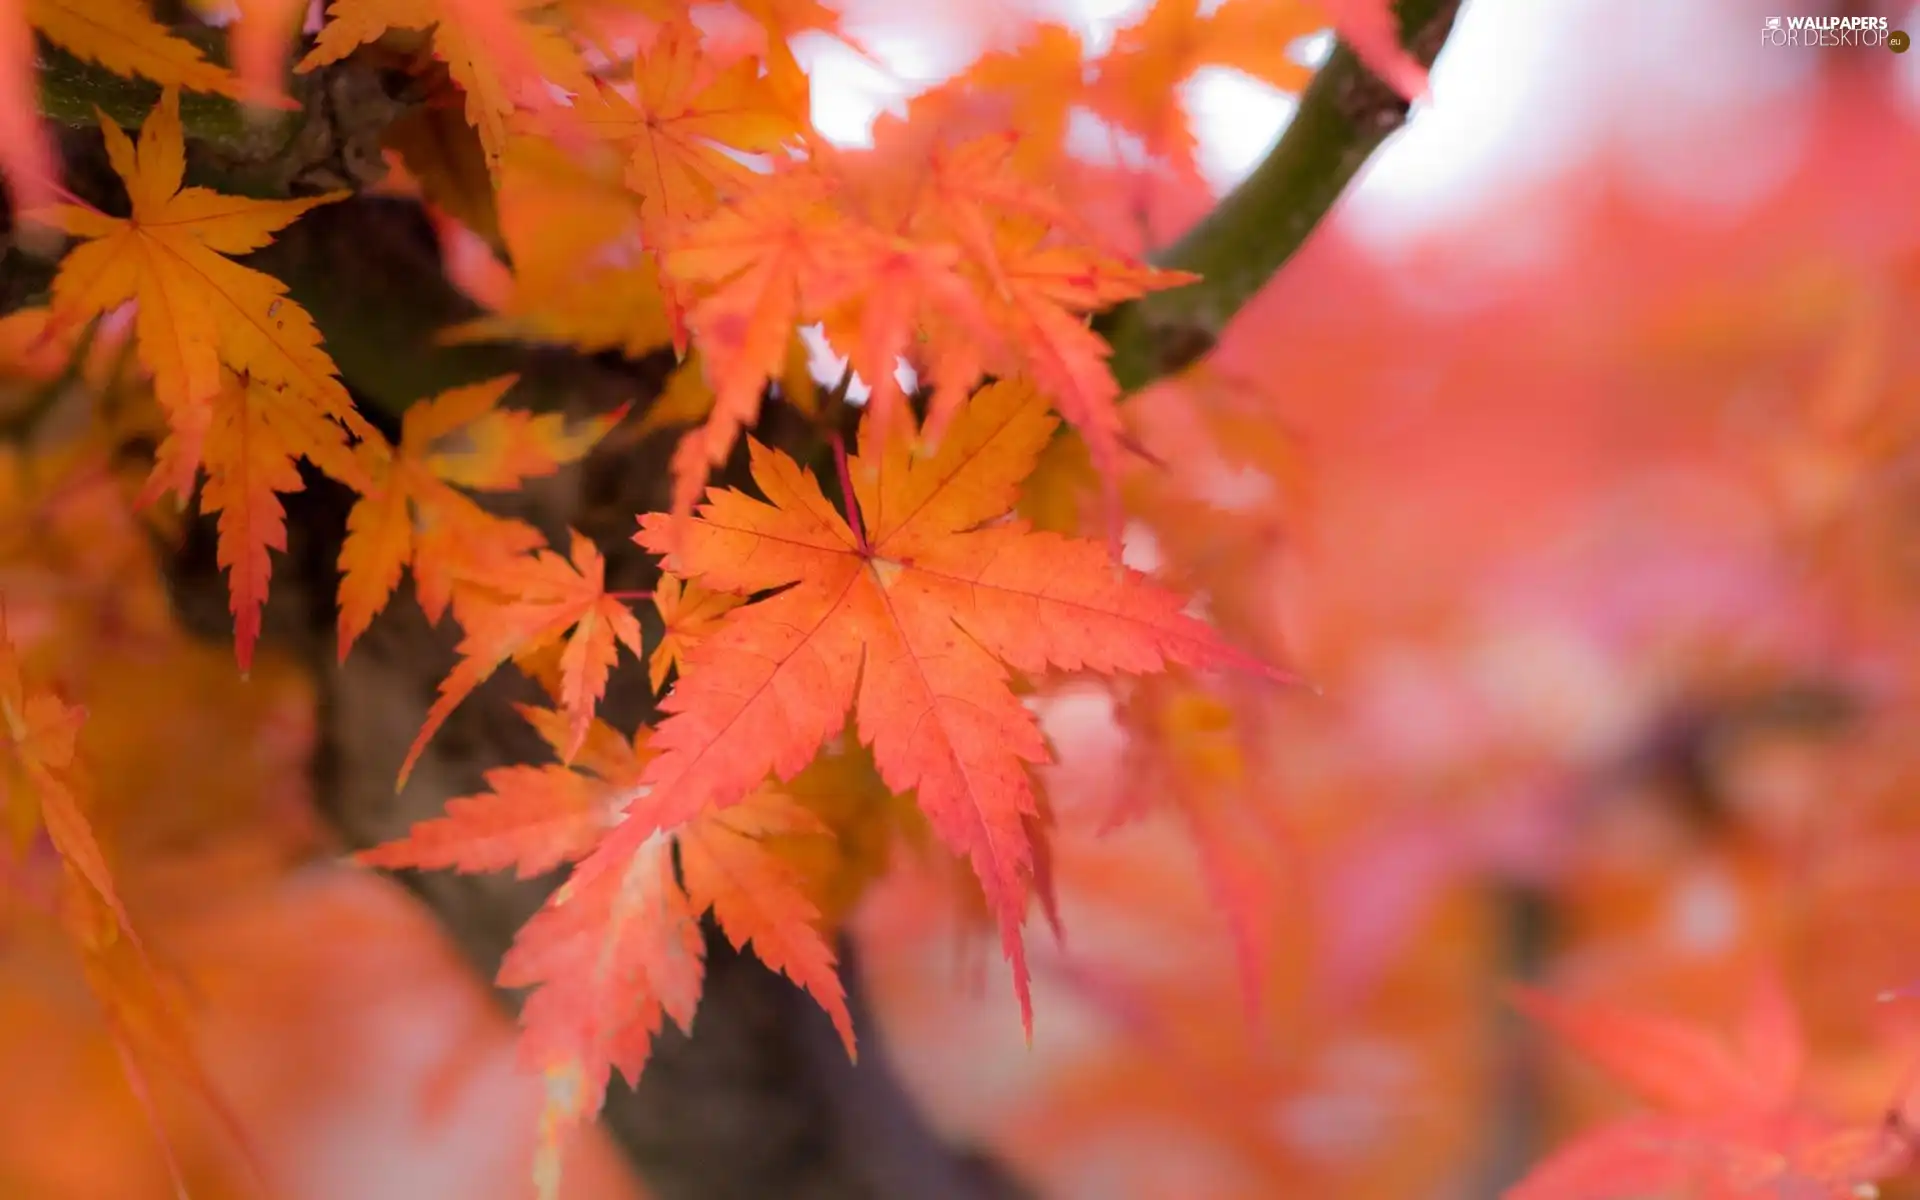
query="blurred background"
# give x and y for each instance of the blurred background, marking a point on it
(1575, 463)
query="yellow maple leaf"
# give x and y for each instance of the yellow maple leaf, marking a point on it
(123, 37)
(685, 399)
(500, 59)
(571, 229)
(688, 612)
(843, 789)
(1059, 495)
(411, 513)
(197, 310)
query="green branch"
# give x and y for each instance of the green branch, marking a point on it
(1344, 116)
(332, 139)
(73, 93)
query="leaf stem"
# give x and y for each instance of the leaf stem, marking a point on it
(846, 491)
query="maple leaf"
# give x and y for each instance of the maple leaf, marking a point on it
(123, 37)
(603, 989)
(680, 127)
(541, 597)
(756, 253)
(40, 779)
(611, 959)
(685, 399)
(412, 515)
(613, 955)
(197, 310)
(689, 612)
(579, 276)
(729, 862)
(259, 41)
(940, 254)
(442, 163)
(978, 263)
(842, 787)
(251, 447)
(1728, 1119)
(33, 346)
(1033, 88)
(910, 617)
(905, 287)
(500, 59)
(530, 819)
(1186, 754)
(26, 154)
(1151, 58)
(1045, 288)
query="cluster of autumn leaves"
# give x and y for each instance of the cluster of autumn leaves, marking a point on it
(907, 612)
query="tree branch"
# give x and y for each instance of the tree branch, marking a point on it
(1345, 114)
(73, 93)
(332, 140)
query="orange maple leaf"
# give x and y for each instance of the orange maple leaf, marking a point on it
(689, 612)
(756, 254)
(1028, 277)
(943, 255)
(536, 600)
(1045, 289)
(412, 514)
(613, 955)
(1033, 87)
(197, 309)
(1728, 1118)
(251, 448)
(1185, 754)
(605, 985)
(26, 154)
(40, 777)
(259, 41)
(1151, 58)
(910, 617)
(680, 126)
(530, 819)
